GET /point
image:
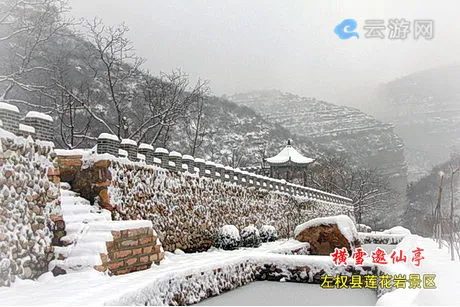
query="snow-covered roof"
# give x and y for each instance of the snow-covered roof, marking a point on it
(171, 163)
(156, 160)
(34, 114)
(161, 150)
(26, 128)
(289, 154)
(218, 165)
(175, 154)
(108, 136)
(199, 160)
(145, 146)
(128, 142)
(210, 163)
(9, 107)
(141, 156)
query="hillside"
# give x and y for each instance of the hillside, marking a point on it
(425, 110)
(369, 142)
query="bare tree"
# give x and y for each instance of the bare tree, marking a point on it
(167, 101)
(115, 67)
(454, 167)
(26, 27)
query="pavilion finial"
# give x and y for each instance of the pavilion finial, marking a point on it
(289, 142)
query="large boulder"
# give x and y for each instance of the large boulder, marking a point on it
(327, 233)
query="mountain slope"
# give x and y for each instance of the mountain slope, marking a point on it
(369, 142)
(425, 108)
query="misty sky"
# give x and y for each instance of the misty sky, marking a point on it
(287, 45)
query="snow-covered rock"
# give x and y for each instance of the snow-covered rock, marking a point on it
(327, 233)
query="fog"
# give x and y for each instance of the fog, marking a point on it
(288, 45)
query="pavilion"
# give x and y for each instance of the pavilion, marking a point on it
(289, 164)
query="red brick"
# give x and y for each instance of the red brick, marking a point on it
(145, 240)
(137, 251)
(147, 249)
(154, 257)
(115, 265)
(100, 268)
(144, 259)
(121, 272)
(116, 234)
(123, 254)
(157, 248)
(110, 245)
(53, 172)
(131, 261)
(129, 243)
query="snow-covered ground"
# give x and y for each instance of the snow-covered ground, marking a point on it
(92, 287)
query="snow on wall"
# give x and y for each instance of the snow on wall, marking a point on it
(188, 210)
(28, 196)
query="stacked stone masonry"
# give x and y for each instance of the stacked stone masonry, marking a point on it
(29, 197)
(187, 209)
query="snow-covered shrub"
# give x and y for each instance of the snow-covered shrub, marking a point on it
(363, 228)
(268, 233)
(228, 237)
(250, 237)
(398, 230)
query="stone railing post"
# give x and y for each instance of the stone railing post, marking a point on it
(189, 161)
(162, 154)
(221, 171)
(42, 123)
(9, 117)
(210, 169)
(131, 147)
(229, 171)
(200, 164)
(147, 150)
(26, 130)
(176, 157)
(108, 143)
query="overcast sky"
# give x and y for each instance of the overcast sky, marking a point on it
(287, 45)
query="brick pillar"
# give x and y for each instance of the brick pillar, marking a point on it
(237, 174)
(26, 131)
(147, 151)
(200, 164)
(42, 123)
(9, 117)
(108, 143)
(162, 153)
(176, 157)
(211, 168)
(190, 162)
(228, 171)
(131, 147)
(221, 171)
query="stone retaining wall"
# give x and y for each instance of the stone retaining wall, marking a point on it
(29, 195)
(186, 209)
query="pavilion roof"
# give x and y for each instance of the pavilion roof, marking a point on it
(289, 154)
